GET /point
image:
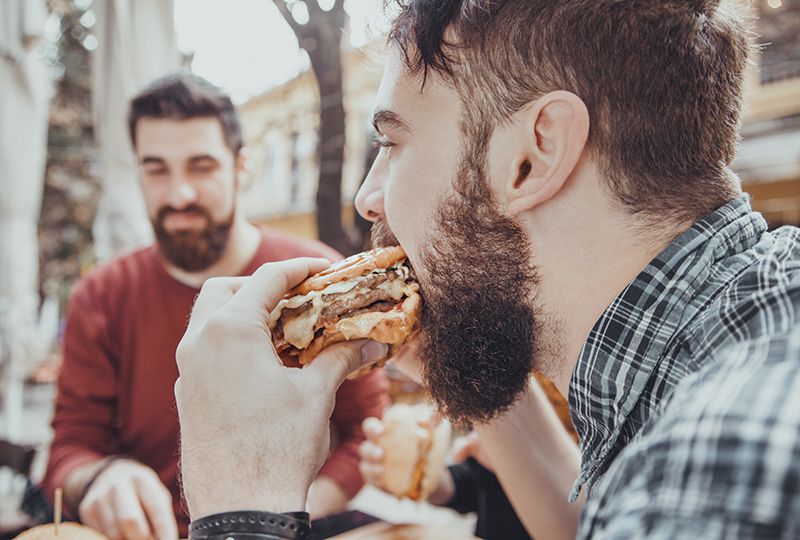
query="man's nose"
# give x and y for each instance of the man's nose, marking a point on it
(369, 200)
(181, 194)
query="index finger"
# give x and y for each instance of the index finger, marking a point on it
(264, 289)
(214, 294)
(157, 504)
(372, 427)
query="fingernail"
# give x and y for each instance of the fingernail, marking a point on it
(372, 351)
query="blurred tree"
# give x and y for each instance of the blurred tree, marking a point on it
(71, 187)
(318, 25)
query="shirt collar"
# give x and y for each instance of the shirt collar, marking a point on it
(613, 374)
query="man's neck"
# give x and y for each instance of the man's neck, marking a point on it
(242, 245)
(585, 261)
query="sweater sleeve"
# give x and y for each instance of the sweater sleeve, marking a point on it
(355, 401)
(85, 410)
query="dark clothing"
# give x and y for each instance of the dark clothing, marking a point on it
(477, 490)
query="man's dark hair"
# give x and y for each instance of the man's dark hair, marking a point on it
(662, 80)
(182, 96)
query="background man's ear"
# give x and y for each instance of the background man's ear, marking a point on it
(243, 167)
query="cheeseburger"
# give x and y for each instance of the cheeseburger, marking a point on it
(414, 447)
(65, 531)
(371, 295)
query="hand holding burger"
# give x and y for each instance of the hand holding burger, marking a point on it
(404, 454)
(253, 432)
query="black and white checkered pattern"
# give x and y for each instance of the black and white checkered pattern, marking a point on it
(686, 395)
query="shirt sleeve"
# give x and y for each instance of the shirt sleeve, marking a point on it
(665, 526)
(355, 401)
(85, 410)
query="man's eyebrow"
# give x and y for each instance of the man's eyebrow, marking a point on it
(388, 118)
(203, 157)
(151, 160)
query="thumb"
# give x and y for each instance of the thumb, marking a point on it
(335, 363)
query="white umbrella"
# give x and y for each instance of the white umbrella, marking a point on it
(24, 96)
(136, 44)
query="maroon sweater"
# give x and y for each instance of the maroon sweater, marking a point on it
(115, 393)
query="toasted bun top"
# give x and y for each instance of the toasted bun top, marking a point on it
(351, 267)
(66, 531)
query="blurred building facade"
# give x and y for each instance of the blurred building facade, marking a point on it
(280, 130)
(769, 155)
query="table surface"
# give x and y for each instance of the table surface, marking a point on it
(387, 531)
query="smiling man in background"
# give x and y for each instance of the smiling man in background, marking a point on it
(115, 448)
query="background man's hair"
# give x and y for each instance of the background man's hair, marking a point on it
(662, 80)
(182, 96)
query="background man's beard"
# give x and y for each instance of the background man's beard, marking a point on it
(193, 251)
(478, 321)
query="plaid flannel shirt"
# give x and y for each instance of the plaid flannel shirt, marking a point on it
(686, 394)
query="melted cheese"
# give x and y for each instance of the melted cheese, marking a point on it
(297, 301)
(363, 324)
(299, 331)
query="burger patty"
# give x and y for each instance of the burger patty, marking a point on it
(382, 306)
(360, 303)
(369, 281)
(290, 313)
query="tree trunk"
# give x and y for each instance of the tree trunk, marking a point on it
(327, 66)
(321, 38)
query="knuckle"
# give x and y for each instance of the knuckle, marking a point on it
(183, 352)
(130, 525)
(86, 510)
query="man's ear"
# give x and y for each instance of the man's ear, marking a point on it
(242, 167)
(553, 131)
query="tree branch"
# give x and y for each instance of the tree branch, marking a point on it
(283, 7)
(313, 8)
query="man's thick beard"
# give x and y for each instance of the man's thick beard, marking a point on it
(193, 251)
(478, 322)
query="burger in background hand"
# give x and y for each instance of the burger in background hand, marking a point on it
(415, 443)
(372, 295)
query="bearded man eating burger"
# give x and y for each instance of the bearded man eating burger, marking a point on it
(558, 174)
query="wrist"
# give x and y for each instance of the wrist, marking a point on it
(78, 483)
(211, 504)
(445, 490)
(252, 525)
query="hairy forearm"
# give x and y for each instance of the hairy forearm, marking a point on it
(536, 462)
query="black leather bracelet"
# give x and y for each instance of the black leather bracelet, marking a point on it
(252, 525)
